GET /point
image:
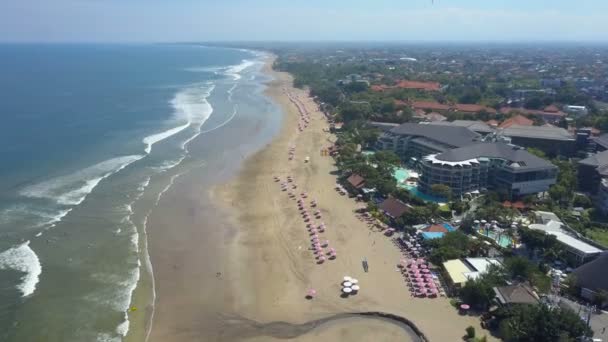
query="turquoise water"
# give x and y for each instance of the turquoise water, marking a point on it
(401, 174)
(368, 153)
(503, 241)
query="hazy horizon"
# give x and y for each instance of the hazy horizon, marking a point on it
(300, 21)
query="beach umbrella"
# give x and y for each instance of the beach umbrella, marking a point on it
(465, 307)
(423, 266)
(347, 278)
(354, 281)
(321, 259)
(347, 290)
(355, 288)
(348, 284)
(420, 261)
(483, 221)
(311, 293)
(425, 270)
(326, 243)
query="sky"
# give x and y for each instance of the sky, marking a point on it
(299, 20)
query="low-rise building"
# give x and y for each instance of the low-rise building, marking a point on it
(580, 251)
(577, 111)
(393, 208)
(482, 166)
(591, 277)
(515, 294)
(591, 171)
(459, 271)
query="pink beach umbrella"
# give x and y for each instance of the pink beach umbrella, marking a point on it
(321, 260)
(423, 266)
(311, 293)
(425, 270)
(326, 243)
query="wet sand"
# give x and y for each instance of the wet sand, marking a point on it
(257, 240)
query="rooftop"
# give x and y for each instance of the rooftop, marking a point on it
(461, 271)
(516, 294)
(449, 135)
(537, 132)
(393, 207)
(519, 158)
(356, 181)
(516, 120)
(602, 140)
(476, 126)
(553, 226)
(597, 160)
(592, 275)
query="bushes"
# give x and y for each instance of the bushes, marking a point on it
(470, 332)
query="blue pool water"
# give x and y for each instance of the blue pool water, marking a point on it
(401, 174)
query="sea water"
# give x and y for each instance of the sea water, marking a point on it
(91, 137)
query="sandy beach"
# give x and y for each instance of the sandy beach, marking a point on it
(246, 278)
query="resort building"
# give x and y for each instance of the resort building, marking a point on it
(393, 208)
(591, 171)
(515, 294)
(593, 178)
(460, 271)
(482, 166)
(518, 131)
(553, 141)
(417, 140)
(475, 126)
(355, 183)
(591, 277)
(580, 251)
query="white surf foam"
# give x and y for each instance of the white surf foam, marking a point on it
(23, 259)
(190, 106)
(235, 70)
(150, 140)
(200, 109)
(72, 189)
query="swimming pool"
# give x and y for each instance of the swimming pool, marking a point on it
(401, 175)
(503, 240)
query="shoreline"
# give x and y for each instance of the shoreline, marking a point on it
(269, 254)
(232, 256)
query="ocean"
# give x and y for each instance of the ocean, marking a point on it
(91, 137)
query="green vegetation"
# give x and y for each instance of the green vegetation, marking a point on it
(540, 323)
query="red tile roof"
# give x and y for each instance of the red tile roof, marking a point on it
(428, 86)
(400, 103)
(377, 88)
(517, 120)
(472, 108)
(429, 105)
(551, 109)
(436, 228)
(507, 110)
